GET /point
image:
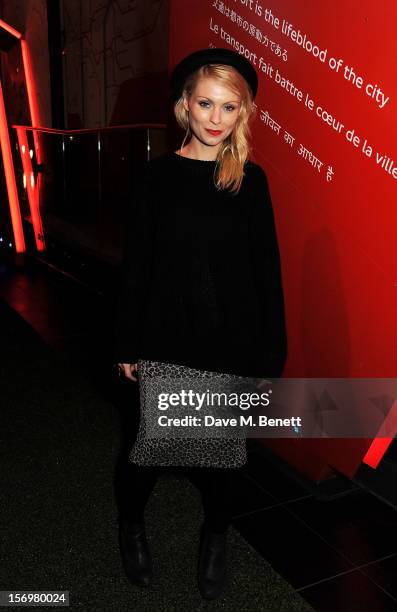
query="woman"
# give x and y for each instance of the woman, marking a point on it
(202, 291)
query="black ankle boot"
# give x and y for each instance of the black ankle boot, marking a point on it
(135, 552)
(212, 563)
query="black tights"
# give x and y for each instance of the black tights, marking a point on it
(214, 484)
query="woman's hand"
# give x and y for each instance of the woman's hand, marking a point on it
(127, 369)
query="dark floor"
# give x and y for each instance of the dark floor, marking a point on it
(339, 555)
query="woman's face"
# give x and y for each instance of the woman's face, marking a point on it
(213, 111)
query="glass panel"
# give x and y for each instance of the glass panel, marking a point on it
(85, 185)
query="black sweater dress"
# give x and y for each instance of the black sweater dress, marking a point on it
(201, 293)
(201, 281)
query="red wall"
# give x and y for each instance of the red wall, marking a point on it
(337, 237)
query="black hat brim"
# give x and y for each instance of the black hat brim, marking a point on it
(213, 55)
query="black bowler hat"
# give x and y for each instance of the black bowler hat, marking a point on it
(214, 55)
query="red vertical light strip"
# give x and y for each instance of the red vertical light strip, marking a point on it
(33, 194)
(8, 162)
(31, 188)
(30, 86)
(12, 191)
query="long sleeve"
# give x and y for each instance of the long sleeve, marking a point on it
(267, 274)
(135, 271)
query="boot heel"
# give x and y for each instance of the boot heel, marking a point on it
(135, 553)
(212, 564)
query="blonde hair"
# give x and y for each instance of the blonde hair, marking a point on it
(235, 149)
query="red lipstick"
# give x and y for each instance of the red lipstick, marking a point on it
(215, 132)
